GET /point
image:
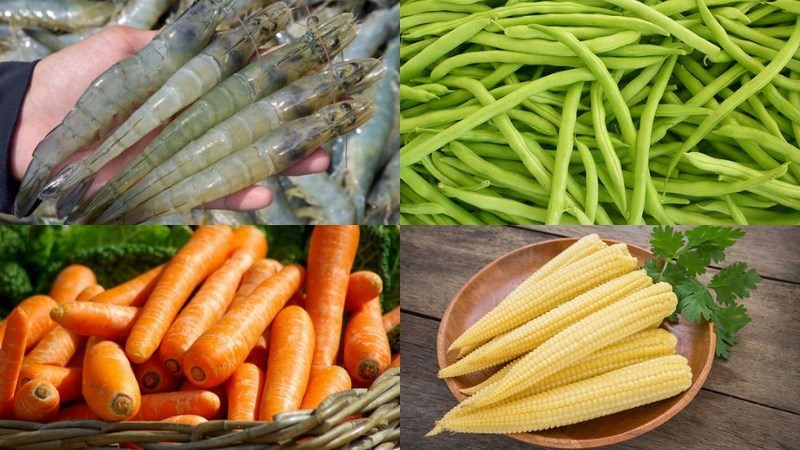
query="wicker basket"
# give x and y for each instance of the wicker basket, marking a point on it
(327, 427)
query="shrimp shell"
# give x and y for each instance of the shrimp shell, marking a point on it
(226, 54)
(376, 29)
(296, 100)
(279, 212)
(280, 149)
(327, 202)
(267, 74)
(384, 199)
(57, 15)
(142, 14)
(117, 91)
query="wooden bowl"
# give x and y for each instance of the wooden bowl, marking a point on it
(489, 286)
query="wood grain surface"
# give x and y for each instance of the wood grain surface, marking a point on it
(750, 401)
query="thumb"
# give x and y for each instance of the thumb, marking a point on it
(128, 38)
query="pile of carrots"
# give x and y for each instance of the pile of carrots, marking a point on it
(217, 332)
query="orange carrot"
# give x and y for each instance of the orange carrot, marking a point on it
(220, 390)
(391, 320)
(289, 365)
(154, 378)
(70, 282)
(169, 404)
(244, 390)
(222, 349)
(36, 401)
(37, 309)
(11, 353)
(395, 360)
(133, 292)
(205, 252)
(109, 385)
(258, 355)
(89, 293)
(103, 320)
(213, 299)
(56, 348)
(366, 347)
(66, 379)
(255, 275)
(186, 419)
(362, 287)
(330, 258)
(298, 299)
(78, 411)
(323, 383)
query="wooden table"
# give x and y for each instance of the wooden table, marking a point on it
(749, 401)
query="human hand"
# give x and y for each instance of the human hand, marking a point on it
(60, 79)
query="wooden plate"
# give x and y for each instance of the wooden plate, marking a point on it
(489, 286)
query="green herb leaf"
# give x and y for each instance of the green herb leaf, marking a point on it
(694, 300)
(729, 320)
(665, 242)
(734, 281)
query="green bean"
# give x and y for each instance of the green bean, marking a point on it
(457, 98)
(442, 46)
(592, 188)
(407, 23)
(735, 212)
(496, 204)
(717, 189)
(731, 13)
(691, 218)
(752, 200)
(459, 177)
(791, 6)
(732, 169)
(411, 9)
(416, 94)
(666, 110)
(423, 209)
(610, 157)
(642, 50)
(754, 215)
(558, 186)
(410, 155)
(432, 169)
(756, 84)
(421, 187)
(549, 48)
(768, 141)
(583, 20)
(437, 117)
(487, 150)
(673, 7)
(412, 49)
(762, 114)
(582, 33)
(490, 218)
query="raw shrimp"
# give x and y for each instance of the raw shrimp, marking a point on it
(22, 47)
(226, 54)
(384, 199)
(296, 100)
(373, 32)
(117, 91)
(56, 42)
(142, 14)
(58, 15)
(327, 202)
(264, 76)
(363, 147)
(280, 149)
(279, 212)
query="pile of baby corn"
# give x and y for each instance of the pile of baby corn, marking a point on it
(578, 339)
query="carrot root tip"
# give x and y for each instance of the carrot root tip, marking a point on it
(41, 392)
(151, 381)
(173, 366)
(122, 404)
(57, 314)
(198, 374)
(368, 369)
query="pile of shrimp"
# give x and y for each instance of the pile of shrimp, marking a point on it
(228, 114)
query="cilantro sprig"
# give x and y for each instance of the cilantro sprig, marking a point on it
(682, 257)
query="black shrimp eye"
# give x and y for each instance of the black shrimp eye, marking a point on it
(347, 107)
(335, 42)
(312, 20)
(319, 48)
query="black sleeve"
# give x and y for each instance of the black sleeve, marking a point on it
(14, 80)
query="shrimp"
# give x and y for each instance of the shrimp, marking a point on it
(56, 42)
(58, 15)
(267, 74)
(22, 47)
(280, 149)
(279, 212)
(364, 145)
(296, 100)
(327, 202)
(117, 91)
(384, 199)
(142, 14)
(226, 54)
(376, 29)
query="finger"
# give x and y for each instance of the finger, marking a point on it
(317, 162)
(248, 199)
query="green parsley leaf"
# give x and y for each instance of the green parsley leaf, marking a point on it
(665, 242)
(734, 281)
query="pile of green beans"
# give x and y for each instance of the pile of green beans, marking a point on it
(600, 112)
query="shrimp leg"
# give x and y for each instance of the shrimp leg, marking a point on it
(384, 199)
(283, 147)
(226, 54)
(57, 15)
(296, 100)
(327, 202)
(279, 212)
(267, 74)
(117, 91)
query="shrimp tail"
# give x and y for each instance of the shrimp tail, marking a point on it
(71, 197)
(28, 197)
(64, 180)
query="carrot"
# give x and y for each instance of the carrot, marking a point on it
(220, 390)
(223, 348)
(186, 419)
(111, 322)
(154, 378)
(391, 320)
(330, 258)
(70, 282)
(244, 390)
(395, 360)
(205, 252)
(298, 299)
(213, 299)
(109, 385)
(89, 293)
(37, 309)
(66, 379)
(78, 411)
(323, 383)
(362, 287)
(289, 364)
(36, 401)
(133, 292)
(255, 275)
(258, 355)
(366, 347)
(169, 404)
(11, 353)
(56, 348)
